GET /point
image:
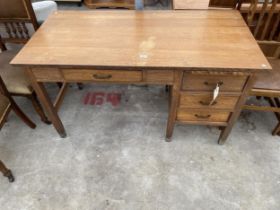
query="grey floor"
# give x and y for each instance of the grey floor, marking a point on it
(115, 158)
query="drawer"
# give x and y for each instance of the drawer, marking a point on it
(208, 82)
(102, 75)
(202, 115)
(202, 100)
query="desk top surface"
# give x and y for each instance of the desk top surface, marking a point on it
(149, 39)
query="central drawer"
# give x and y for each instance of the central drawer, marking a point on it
(208, 82)
(202, 100)
(102, 75)
(202, 115)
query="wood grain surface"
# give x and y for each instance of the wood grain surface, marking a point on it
(150, 39)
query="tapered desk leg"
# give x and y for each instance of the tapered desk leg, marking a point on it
(173, 104)
(226, 130)
(46, 102)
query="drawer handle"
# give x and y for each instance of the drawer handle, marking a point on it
(208, 104)
(202, 116)
(102, 76)
(214, 84)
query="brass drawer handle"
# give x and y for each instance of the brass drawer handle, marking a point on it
(208, 104)
(102, 76)
(202, 116)
(214, 84)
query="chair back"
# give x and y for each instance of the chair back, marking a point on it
(17, 19)
(263, 18)
(223, 3)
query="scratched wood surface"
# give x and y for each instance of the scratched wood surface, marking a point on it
(159, 39)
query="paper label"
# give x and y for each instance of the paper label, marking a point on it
(215, 94)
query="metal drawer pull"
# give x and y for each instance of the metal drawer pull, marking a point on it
(102, 76)
(202, 116)
(214, 84)
(208, 104)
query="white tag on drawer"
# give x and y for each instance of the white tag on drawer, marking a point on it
(215, 94)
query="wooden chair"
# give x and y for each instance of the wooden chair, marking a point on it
(264, 21)
(17, 23)
(17, 20)
(6, 105)
(16, 14)
(223, 3)
(18, 83)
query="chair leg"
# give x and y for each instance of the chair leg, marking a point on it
(273, 103)
(21, 115)
(38, 108)
(276, 130)
(6, 172)
(2, 46)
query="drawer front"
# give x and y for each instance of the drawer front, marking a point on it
(208, 82)
(201, 115)
(202, 100)
(102, 75)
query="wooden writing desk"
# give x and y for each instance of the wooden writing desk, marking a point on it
(191, 51)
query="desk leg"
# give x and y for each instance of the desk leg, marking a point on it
(173, 104)
(46, 102)
(226, 130)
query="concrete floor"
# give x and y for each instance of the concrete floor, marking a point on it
(115, 158)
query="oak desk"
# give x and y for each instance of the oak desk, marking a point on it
(191, 51)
